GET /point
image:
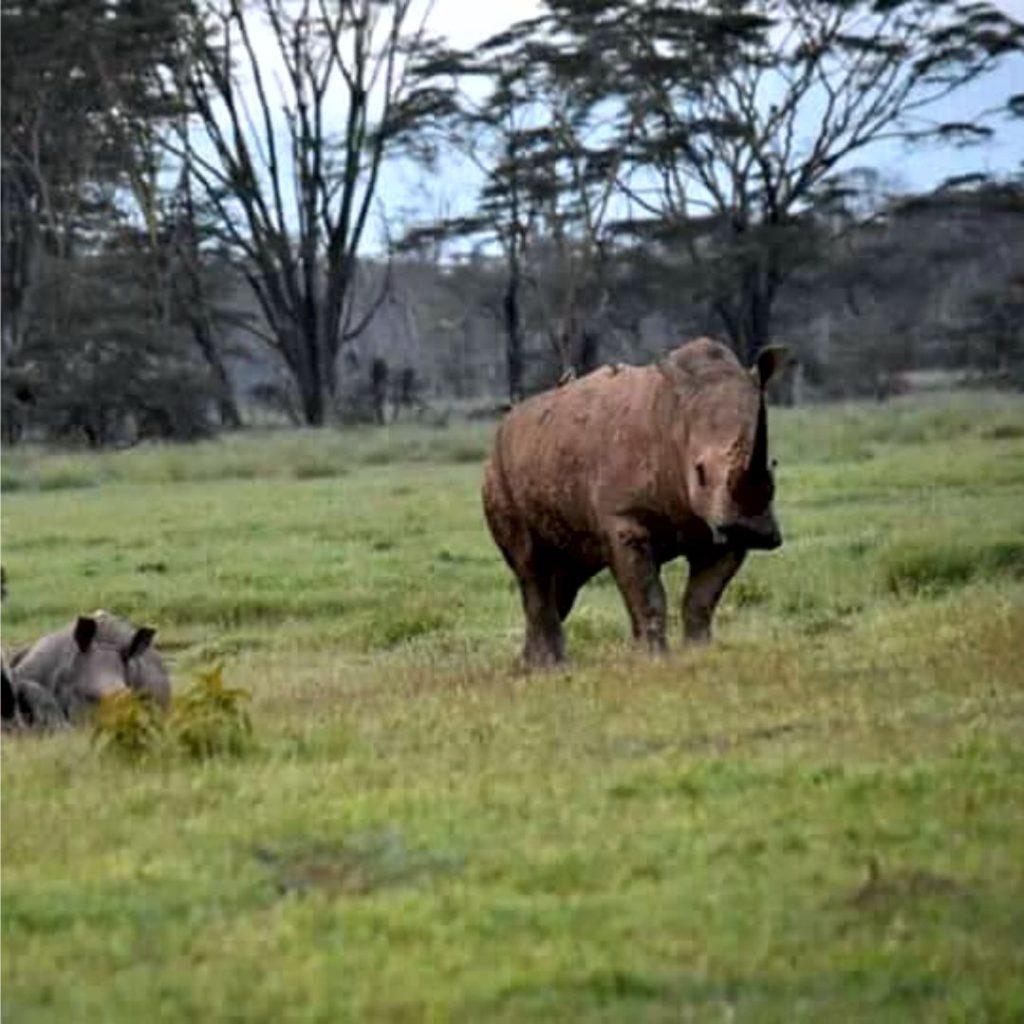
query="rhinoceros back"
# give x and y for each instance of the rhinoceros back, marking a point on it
(560, 456)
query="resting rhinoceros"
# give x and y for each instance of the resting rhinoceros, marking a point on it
(628, 468)
(27, 705)
(94, 656)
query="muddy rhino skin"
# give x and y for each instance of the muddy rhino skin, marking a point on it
(628, 468)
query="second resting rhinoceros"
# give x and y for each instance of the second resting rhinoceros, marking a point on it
(628, 468)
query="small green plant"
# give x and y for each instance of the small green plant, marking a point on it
(128, 727)
(211, 718)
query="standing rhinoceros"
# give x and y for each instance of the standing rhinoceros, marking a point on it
(628, 468)
(94, 656)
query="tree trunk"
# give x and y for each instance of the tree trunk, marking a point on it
(755, 321)
(313, 404)
(589, 352)
(227, 407)
(513, 337)
(305, 368)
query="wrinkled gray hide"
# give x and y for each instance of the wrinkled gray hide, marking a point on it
(91, 658)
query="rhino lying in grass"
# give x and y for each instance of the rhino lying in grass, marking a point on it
(24, 705)
(27, 705)
(628, 468)
(93, 657)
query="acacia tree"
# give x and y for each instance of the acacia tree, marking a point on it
(62, 157)
(86, 89)
(196, 271)
(499, 135)
(296, 104)
(546, 184)
(176, 243)
(749, 111)
(576, 223)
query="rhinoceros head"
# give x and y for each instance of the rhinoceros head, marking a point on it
(729, 479)
(95, 667)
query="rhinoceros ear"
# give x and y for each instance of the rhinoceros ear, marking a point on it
(770, 360)
(85, 632)
(139, 643)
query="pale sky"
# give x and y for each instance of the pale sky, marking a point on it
(465, 22)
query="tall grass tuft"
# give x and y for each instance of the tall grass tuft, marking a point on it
(393, 628)
(932, 569)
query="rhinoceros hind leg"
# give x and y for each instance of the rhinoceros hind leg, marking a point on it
(545, 644)
(710, 573)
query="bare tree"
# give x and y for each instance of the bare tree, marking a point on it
(174, 231)
(574, 290)
(545, 186)
(297, 103)
(499, 135)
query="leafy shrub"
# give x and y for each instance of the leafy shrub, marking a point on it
(211, 718)
(98, 367)
(128, 727)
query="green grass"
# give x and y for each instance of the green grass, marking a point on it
(819, 817)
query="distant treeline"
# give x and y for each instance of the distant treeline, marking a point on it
(187, 187)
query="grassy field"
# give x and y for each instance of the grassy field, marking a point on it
(820, 817)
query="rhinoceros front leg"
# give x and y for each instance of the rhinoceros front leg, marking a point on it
(710, 573)
(639, 579)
